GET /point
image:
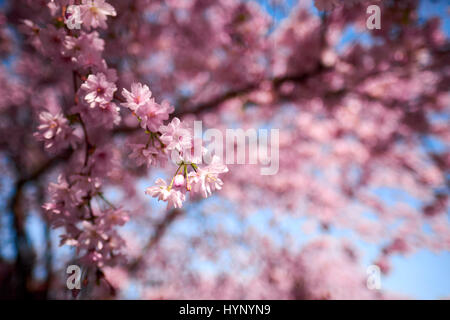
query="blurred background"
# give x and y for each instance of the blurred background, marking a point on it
(306, 233)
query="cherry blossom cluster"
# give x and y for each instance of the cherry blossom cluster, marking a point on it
(88, 227)
(76, 201)
(55, 131)
(93, 13)
(174, 140)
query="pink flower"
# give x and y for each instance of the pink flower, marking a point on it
(113, 217)
(138, 97)
(192, 155)
(175, 136)
(104, 161)
(62, 193)
(206, 180)
(99, 90)
(161, 191)
(85, 184)
(52, 40)
(92, 237)
(107, 116)
(94, 13)
(55, 131)
(175, 199)
(152, 115)
(148, 155)
(178, 181)
(63, 207)
(85, 50)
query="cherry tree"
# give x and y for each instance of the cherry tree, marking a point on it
(97, 108)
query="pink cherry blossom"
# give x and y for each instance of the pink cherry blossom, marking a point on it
(175, 136)
(85, 49)
(99, 91)
(152, 115)
(178, 181)
(206, 180)
(175, 199)
(147, 154)
(55, 131)
(94, 13)
(163, 192)
(159, 191)
(138, 97)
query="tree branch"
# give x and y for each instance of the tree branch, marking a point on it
(215, 102)
(25, 253)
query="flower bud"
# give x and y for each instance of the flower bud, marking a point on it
(178, 181)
